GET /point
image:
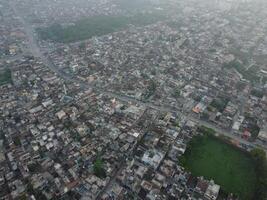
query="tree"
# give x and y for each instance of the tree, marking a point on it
(257, 93)
(259, 157)
(34, 167)
(152, 86)
(17, 141)
(36, 192)
(258, 154)
(99, 171)
(176, 93)
(205, 116)
(206, 130)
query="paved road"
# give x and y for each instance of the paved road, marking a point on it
(35, 49)
(221, 131)
(33, 44)
(129, 155)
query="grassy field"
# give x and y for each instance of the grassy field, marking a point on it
(5, 76)
(96, 26)
(229, 167)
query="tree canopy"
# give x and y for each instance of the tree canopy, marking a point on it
(99, 171)
(259, 157)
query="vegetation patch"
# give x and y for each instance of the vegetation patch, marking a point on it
(176, 93)
(5, 76)
(220, 103)
(259, 157)
(151, 89)
(206, 130)
(228, 166)
(98, 167)
(248, 74)
(243, 56)
(257, 93)
(251, 126)
(134, 5)
(96, 26)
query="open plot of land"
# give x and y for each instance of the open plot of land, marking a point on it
(229, 167)
(96, 26)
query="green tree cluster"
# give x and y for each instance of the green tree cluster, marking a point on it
(151, 89)
(5, 76)
(259, 157)
(257, 93)
(176, 93)
(206, 130)
(96, 26)
(249, 74)
(99, 171)
(220, 103)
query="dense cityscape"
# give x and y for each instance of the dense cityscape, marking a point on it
(144, 99)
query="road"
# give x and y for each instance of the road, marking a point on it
(36, 51)
(221, 131)
(33, 44)
(128, 155)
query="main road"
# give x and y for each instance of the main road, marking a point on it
(33, 44)
(36, 51)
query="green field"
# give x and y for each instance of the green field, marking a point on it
(96, 26)
(228, 166)
(5, 76)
